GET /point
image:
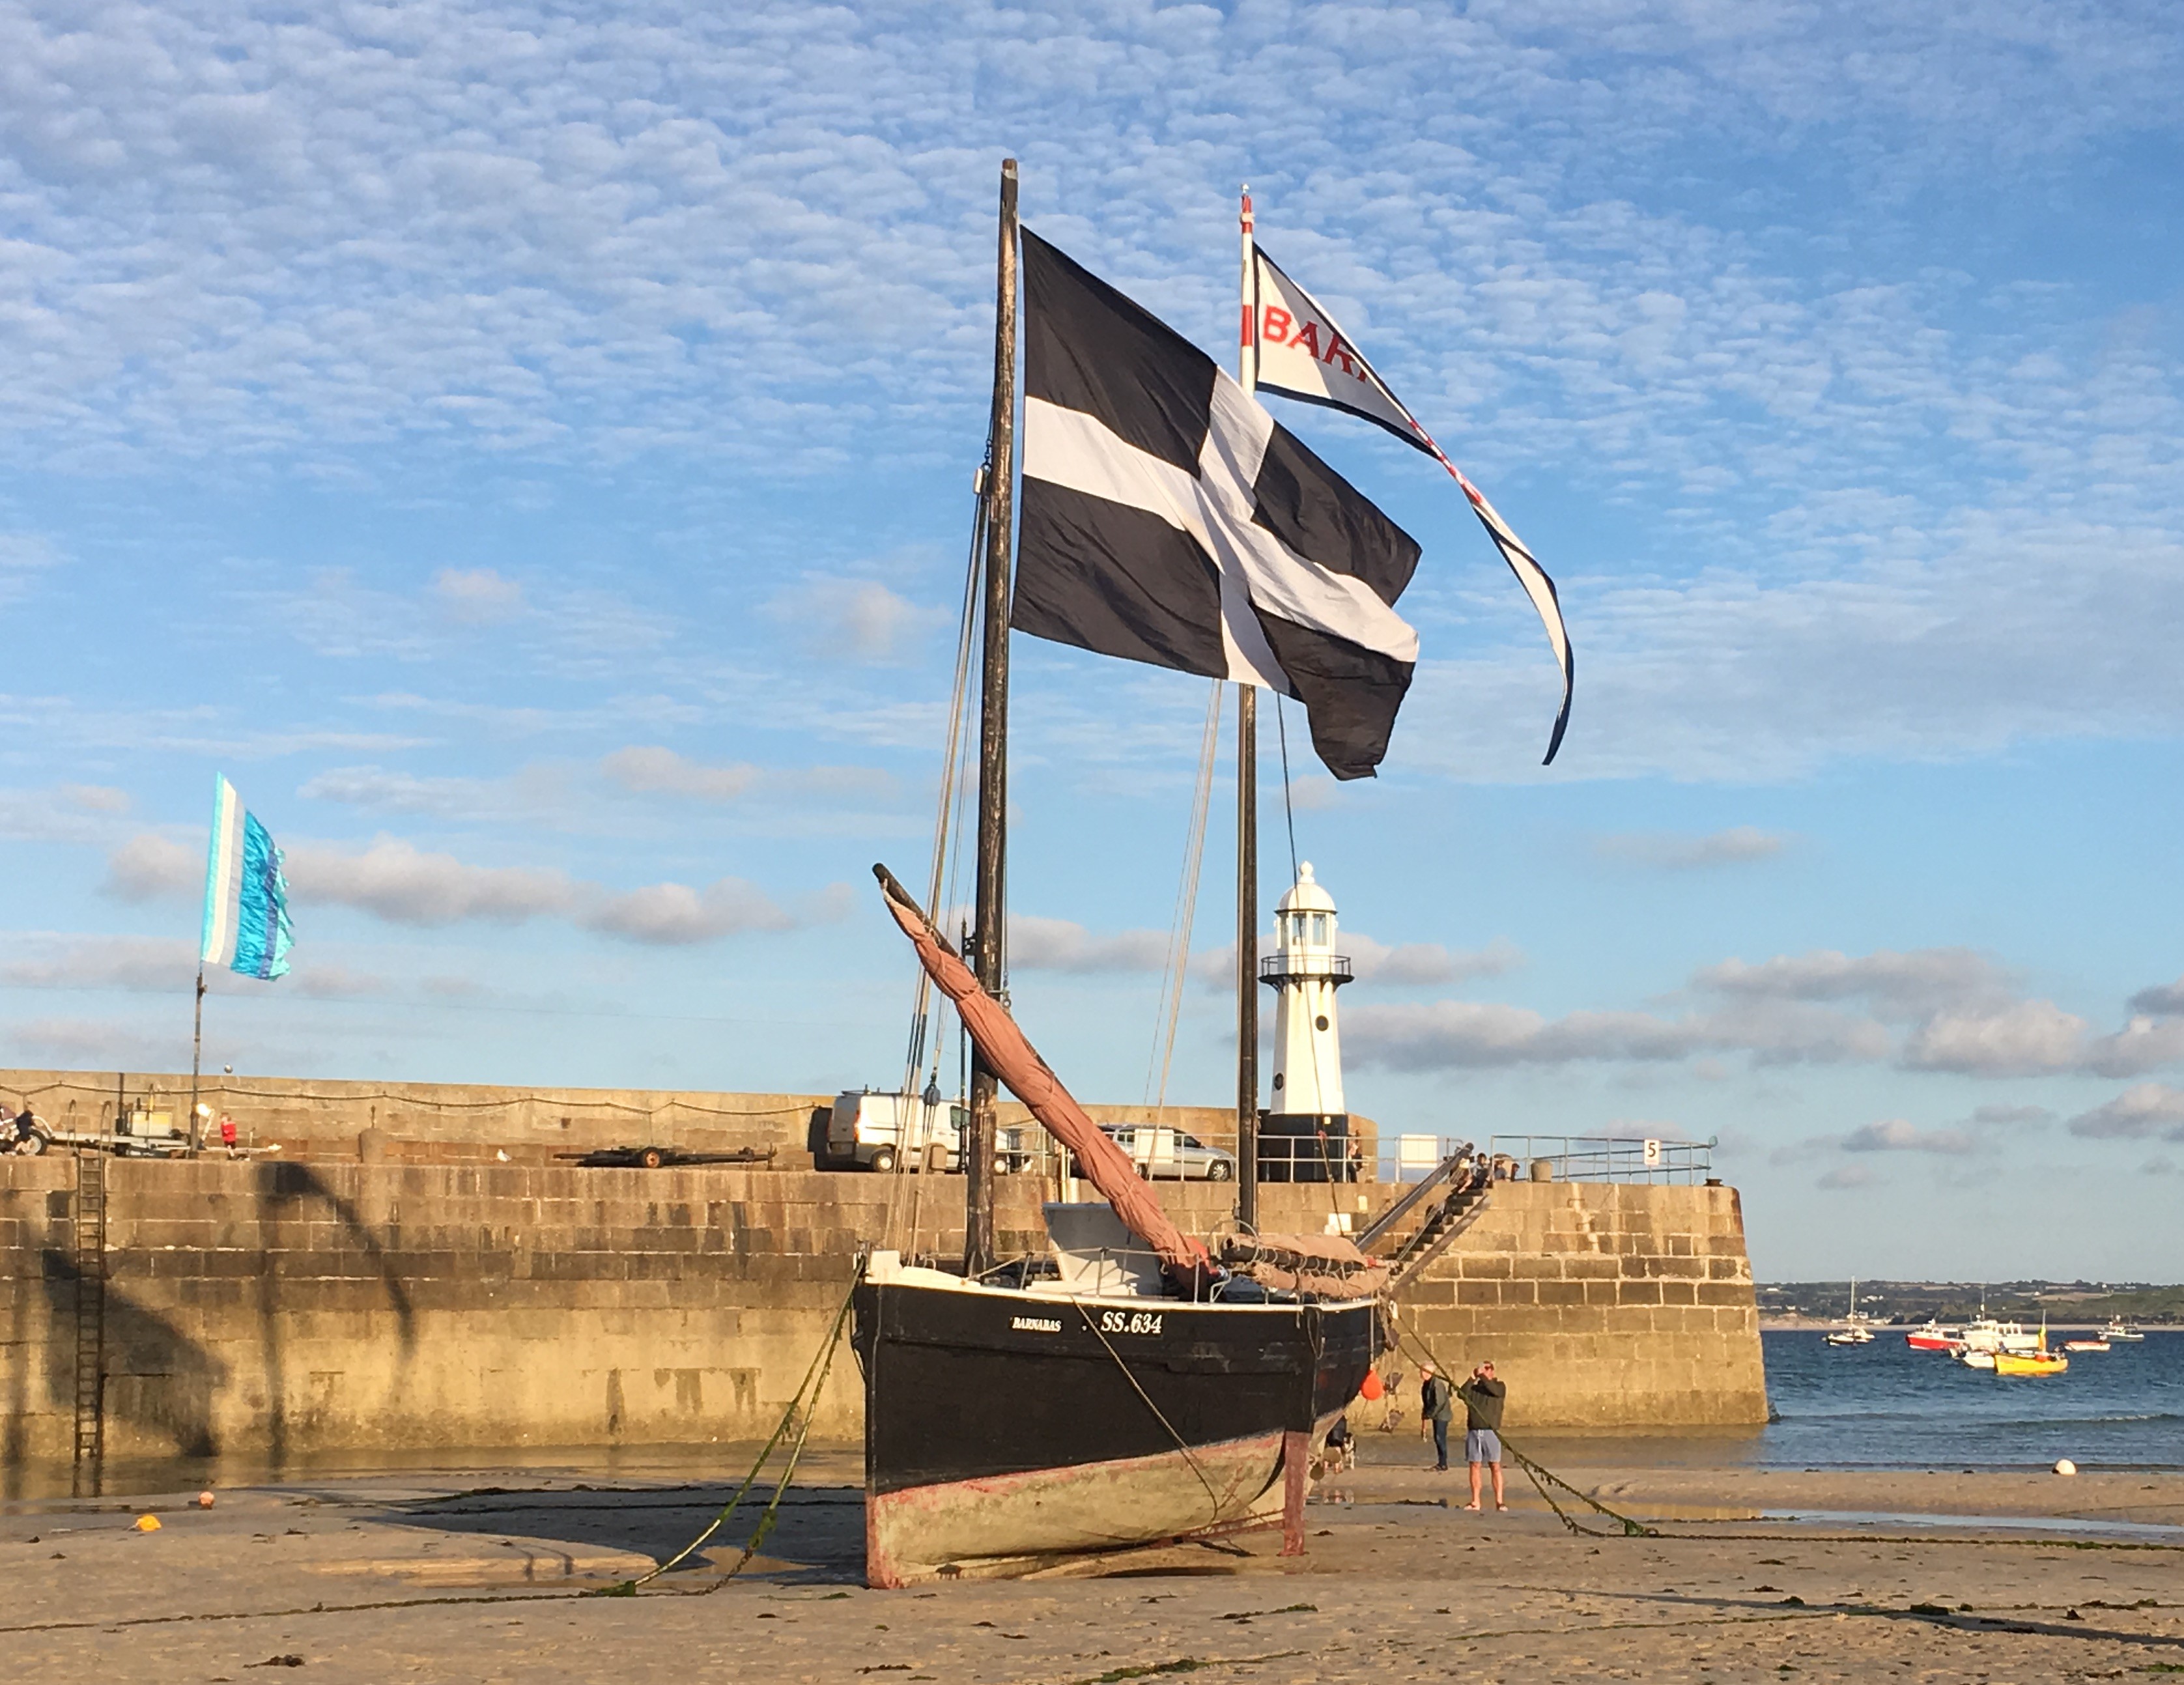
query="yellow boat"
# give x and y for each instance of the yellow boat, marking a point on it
(2037, 1361)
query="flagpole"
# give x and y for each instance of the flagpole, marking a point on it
(977, 1153)
(1247, 819)
(196, 1061)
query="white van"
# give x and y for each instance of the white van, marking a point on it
(866, 1129)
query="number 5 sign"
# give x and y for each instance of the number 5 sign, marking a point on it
(1652, 1154)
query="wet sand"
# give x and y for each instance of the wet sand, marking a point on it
(486, 1577)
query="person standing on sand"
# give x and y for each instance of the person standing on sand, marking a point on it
(1435, 1411)
(1483, 1395)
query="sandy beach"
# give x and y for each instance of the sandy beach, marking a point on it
(490, 1576)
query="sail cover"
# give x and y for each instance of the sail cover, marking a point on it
(1009, 1051)
(1167, 517)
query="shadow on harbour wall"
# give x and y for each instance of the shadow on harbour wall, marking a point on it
(167, 1393)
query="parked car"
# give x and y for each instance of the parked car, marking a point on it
(1162, 1152)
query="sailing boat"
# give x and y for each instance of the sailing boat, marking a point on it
(1854, 1330)
(1135, 1388)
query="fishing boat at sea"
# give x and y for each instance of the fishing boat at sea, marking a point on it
(2095, 1345)
(1133, 1383)
(1931, 1336)
(2039, 1362)
(1985, 1334)
(2116, 1331)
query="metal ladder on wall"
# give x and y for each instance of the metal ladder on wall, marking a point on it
(1463, 1181)
(89, 1322)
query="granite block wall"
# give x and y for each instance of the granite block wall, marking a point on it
(279, 1310)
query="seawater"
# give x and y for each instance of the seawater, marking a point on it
(1886, 1406)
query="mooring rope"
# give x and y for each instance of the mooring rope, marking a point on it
(1211, 1496)
(803, 1409)
(1540, 1477)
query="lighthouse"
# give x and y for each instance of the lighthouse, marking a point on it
(1304, 1137)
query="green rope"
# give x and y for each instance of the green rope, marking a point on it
(802, 1410)
(1542, 1477)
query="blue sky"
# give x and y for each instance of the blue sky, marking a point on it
(529, 451)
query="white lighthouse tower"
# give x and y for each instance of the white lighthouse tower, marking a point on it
(1308, 1126)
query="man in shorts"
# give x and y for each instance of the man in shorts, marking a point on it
(1483, 1396)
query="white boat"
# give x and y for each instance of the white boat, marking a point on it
(1857, 1329)
(1973, 1357)
(2085, 1345)
(2116, 1330)
(1989, 1336)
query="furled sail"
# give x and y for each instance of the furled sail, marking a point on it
(1013, 1058)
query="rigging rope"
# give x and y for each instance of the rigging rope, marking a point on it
(802, 1410)
(947, 809)
(1289, 811)
(1211, 1496)
(1180, 924)
(1540, 1477)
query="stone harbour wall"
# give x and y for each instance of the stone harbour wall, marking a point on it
(276, 1311)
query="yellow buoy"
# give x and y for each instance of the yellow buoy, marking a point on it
(148, 1524)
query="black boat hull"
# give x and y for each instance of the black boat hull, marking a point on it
(1006, 1430)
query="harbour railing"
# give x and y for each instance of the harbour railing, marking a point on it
(1565, 1158)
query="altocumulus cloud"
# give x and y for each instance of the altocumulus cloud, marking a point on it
(397, 881)
(2149, 1109)
(1739, 845)
(1937, 1009)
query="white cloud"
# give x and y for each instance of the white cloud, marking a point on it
(1461, 1034)
(395, 880)
(675, 914)
(144, 964)
(1845, 1178)
(150, 867)
(1895, 1135)
(661, 771)
(476, 597)
(2162, 1000)
(1933, 1010)
(858, 619)
(2146, 1109)
(1921, 980)
(1041, 944)
(23, 555)
(95, 799)
(2023, 1038)
(1412, 964)
(1665, 851)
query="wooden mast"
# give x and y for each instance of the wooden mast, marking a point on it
(992, 912)
(1247, 833)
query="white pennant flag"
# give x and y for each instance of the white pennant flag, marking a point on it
(1303, 352)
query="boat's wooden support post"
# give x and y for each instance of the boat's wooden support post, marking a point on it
(1296, 1473)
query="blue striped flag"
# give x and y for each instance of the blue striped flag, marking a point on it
(246, 908)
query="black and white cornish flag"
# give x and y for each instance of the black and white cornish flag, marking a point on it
(1166, 518)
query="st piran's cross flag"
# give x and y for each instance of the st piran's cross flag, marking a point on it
(1303, 354)
(1166, 518)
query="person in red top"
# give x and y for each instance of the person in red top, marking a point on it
(228, 1134)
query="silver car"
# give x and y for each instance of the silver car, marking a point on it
(1187, 1157)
